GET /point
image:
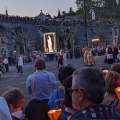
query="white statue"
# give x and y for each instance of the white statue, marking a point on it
(117, 1)
(49, 44)
(93, 15)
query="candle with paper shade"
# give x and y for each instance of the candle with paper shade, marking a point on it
(54, 114)
(105, 70)
(117, 91)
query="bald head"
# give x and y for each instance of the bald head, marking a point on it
(40, 64)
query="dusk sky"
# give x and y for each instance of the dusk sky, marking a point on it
(32, 8)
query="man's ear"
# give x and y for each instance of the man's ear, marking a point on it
(10, 107)
(80, 95)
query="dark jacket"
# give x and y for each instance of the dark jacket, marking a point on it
(115, 51)
(67, 112)
(96, 112)
(64, 115)
(110, 50)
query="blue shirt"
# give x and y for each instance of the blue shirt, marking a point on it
(42, 86)
(67, 112)
(56, 99)
(64, 115)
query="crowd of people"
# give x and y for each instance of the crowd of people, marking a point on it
(18, 62)
(112, 54)
(44, 21)
(84, 94)
(62, 56)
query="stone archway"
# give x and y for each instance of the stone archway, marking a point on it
(3, 46)
(21, 39)
(3, 52)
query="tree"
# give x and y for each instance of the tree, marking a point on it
(71, 12)
(64, 13)
(101, 7)
(21, 38)
(101, 35)
(81, 10)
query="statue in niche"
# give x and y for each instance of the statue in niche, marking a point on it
(49, 41)
(93, 15)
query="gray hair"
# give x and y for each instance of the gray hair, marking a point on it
(92, 82)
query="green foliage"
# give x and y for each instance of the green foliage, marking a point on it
(64, 14)
(102, 8)
(71, 12)
(101, 35)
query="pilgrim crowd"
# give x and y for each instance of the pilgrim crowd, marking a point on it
(84, 94)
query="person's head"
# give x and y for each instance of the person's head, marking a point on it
(107, 46)
(40, 64)
(14, 98)
(112, 80)
(88, 87)
(36, 110)
(61, 51)
(115, 67)
(67, 83)
(64, 72)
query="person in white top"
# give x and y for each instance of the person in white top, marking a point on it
(38, 55)
(41, 56)
(20, 64)
(4, 111)
(5, 61)
(64, 58)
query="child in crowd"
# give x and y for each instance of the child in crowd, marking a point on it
(36, 110)
(15, 98)
(69, 110)
(58, 94)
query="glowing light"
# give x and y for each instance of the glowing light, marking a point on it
(117, 91)
(95, 40)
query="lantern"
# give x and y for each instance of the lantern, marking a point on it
(68, 118)
(117, 91)
(54, 114)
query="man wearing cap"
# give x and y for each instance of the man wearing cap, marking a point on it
(88, 89)
(41, 83)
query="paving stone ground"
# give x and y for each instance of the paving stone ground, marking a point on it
(14, 79)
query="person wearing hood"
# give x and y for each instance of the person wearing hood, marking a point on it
(4, 111)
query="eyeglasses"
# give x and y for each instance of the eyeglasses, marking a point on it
(70, 90)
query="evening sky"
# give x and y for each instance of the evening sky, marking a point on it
(32, 8)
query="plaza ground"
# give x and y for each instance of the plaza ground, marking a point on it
(14, 79)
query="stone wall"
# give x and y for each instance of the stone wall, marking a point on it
(24, 31)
